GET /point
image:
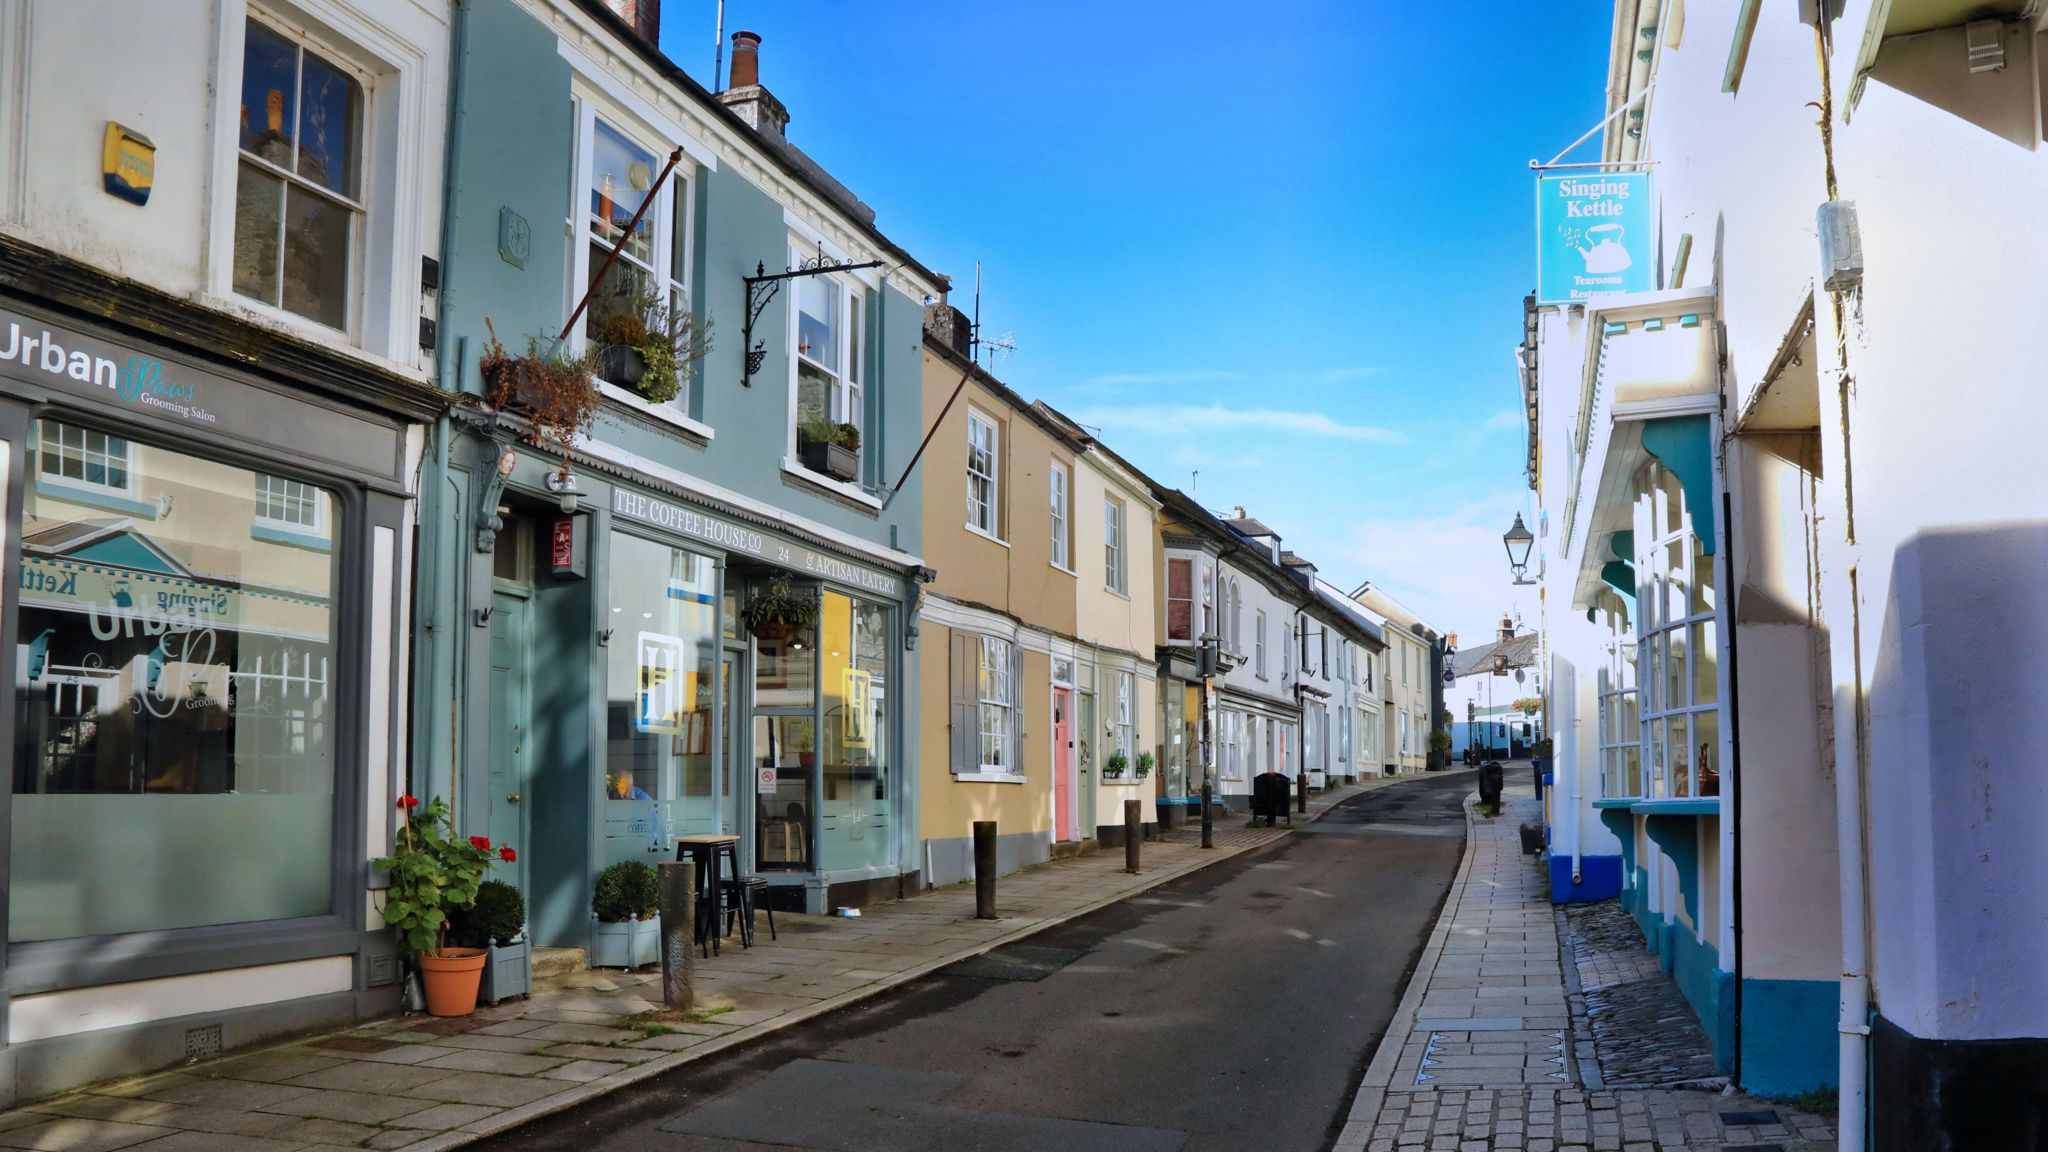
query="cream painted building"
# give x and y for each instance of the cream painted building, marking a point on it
(1408, 681)
(1118, 575)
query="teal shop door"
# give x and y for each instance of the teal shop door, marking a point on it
(511, 719)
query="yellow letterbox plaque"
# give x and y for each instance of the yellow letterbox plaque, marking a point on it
(128, 162)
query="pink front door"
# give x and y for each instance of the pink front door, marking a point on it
(1062, 764)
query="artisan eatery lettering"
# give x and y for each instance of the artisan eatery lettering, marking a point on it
(142, 383)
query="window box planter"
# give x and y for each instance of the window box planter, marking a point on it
(831, 460)
(625, 943)
(508, 971)
(623, 365)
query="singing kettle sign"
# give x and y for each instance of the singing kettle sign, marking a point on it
(1595, 236)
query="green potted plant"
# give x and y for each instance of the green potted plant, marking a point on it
(496, 923)
(778, 612)
(550, 386)
(1113, 768)
(647, 346)
(435, 874)
(1146, 762)
(626, 902)
(830, 448)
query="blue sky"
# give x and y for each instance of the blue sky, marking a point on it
(1283, 243)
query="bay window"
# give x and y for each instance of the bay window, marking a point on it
(1180, 598)
(1680, 642)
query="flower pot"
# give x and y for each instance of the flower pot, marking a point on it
(452, 978)
(834, 461)
(508, 972)
(644, 941)
(611, 944)
(624, 365)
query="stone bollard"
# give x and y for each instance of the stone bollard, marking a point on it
(1134, 833)
(984, 869)
(1208, 820)
(678, 933)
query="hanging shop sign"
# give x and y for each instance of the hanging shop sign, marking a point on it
(733, 537)
(1595, 236)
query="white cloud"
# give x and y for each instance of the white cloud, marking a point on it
(1449, 567)
(1181, 419)
(1127, 379)
(1505, 418)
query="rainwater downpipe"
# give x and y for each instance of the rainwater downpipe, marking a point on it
(1853, 1026)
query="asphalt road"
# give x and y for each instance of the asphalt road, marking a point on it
(1232, 1009)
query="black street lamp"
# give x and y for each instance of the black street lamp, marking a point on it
(1519, 540)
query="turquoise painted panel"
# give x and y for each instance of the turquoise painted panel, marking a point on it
(1621, 577)
(1685, 445)
(1696, 966)
(1788, 1036)
(1678, 837)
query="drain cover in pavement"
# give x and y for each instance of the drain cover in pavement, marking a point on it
(1016, 962)
(863, 1108)
(1749, 1119)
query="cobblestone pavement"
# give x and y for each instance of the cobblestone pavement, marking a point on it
(423, 1084)
(1641, 1031)
(1478, 1057)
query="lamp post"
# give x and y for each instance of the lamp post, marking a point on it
(1519, 540)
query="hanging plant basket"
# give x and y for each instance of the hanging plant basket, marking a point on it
(778, 613)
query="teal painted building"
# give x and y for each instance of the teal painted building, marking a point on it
(584, 684)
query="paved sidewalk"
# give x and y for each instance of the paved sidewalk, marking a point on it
(423, 1084)
(1477, 1057)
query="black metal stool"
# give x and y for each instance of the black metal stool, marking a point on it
(748, 895)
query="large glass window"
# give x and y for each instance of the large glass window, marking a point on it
(616, 172)
(853, 648)
(1678, 641)
(659, 676)
(298, 205)
(996, 691)
(785, 740)
(174, 758)
(1180, 598)
(830, 346)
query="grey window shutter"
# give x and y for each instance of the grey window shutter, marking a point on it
(1016, 763)
(963, 700)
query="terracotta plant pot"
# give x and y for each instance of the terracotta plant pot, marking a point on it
(452, 978)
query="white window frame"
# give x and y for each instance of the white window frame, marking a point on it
(848, 403)
(1061, 496)
(1620, 725)
(1114, 576)
(1126, 717)
(359, 207)
(129, 489)
(995, 701)
(1259, 641)
(992, 508)
(1658, 527)
(1189, 599)
(589, 110)
(1209, 583)
(1236, 616)
(317, 526)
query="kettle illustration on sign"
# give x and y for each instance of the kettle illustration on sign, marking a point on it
(1605, 253)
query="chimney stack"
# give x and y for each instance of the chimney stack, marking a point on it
(744, 94)
(643, 15)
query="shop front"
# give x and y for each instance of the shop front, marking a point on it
(206, 620)
(629, 703)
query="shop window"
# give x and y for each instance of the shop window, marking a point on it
(998, 704)
(298, 203)
(1180, 598)
(1113, 576)
(854, 811)
(983, 487)
(659, 674)
(1677, 644)
(828, 317)
(175, 749)
(1062, 538)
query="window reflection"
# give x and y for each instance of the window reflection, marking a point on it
(853, 653)
(659, 664)
(174, 752)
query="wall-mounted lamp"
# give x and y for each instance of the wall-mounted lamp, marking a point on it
(563, 485)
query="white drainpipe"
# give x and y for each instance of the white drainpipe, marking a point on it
(1854, 1025)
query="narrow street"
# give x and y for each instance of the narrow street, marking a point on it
(1231, 1009)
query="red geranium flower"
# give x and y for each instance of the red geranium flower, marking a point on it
(480, 843)
(508, 855)
(408, 802)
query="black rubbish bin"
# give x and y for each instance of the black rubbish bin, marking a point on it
(1491, 779)
(1538, 765)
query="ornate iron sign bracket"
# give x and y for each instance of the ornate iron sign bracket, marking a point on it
(762, 288)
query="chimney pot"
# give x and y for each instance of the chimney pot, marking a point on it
(746, 60)
(1239, 510)
(643, 15)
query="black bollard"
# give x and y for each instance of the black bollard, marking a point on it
(1208, 820)
(678, 932)
(984, 869)
(1134, 833)
(1300, 792)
